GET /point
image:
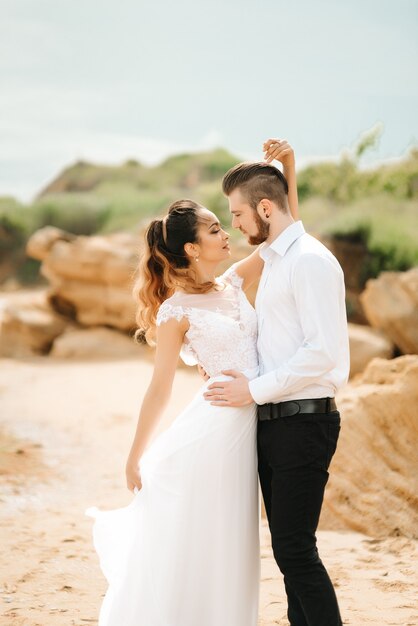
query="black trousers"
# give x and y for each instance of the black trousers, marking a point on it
(294, 454)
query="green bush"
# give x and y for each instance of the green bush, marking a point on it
(12, 234)
(81, 214)
(27, 271)
(388, 232)
(342, 181)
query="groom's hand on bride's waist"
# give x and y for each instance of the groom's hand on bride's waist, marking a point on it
(229, 392)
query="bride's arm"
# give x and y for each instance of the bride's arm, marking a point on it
(251, 267)
(169, 338)
(282, 151)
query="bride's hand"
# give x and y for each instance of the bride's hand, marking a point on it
(133, 477)
(279, 150)
(202, 372)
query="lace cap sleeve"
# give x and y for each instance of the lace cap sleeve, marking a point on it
(231, 276)
(169, 311)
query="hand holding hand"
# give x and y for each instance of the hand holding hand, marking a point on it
(279, 150)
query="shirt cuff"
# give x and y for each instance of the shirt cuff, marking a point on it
(264, 388)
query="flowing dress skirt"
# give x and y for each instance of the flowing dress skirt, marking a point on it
(185, 551)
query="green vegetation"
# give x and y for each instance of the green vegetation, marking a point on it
(344, 182)
(387, 227)
(377, 207)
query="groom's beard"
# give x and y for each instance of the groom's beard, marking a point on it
(263, 231)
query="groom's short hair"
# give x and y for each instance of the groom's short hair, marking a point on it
(257, 181)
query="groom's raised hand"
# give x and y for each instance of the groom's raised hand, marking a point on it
(230, 392)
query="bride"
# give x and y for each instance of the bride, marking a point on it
(185, 551)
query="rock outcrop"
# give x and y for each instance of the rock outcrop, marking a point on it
(96, 342)
(373, 485)
(366, 344)
(28, 325)
(91, 278)
(42, 241)
(391, 304)
(352, 256)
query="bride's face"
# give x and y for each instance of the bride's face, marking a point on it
(213, 239)
(244, 217)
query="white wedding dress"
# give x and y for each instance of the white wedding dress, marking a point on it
(185, 551)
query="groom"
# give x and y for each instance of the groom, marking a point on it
(304, 359)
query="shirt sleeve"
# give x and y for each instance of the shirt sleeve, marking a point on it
(319, 292)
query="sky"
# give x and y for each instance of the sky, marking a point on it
(106, 81)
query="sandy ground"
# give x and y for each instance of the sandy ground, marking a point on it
(65, 431)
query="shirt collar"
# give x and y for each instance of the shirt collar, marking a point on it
(283, 241)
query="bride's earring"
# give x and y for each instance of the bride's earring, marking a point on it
(196, 258)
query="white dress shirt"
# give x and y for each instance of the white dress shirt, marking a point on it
(302, 322)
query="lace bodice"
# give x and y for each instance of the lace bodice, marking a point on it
(223, 326)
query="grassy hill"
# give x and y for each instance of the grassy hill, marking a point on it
(378, 207)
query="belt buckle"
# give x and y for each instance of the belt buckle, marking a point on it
(292, 408)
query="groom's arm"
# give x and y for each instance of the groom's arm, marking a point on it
(318, 286)
(250, 268)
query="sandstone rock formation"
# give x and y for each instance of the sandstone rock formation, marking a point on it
(28, 325)
(41, 242)
(96, 343)
(391, 304)
(365, 344)
(373, 485)
(91, 278)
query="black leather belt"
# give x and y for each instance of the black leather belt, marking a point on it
(271, 410)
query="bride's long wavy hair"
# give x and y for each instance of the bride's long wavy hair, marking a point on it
(165, 266)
